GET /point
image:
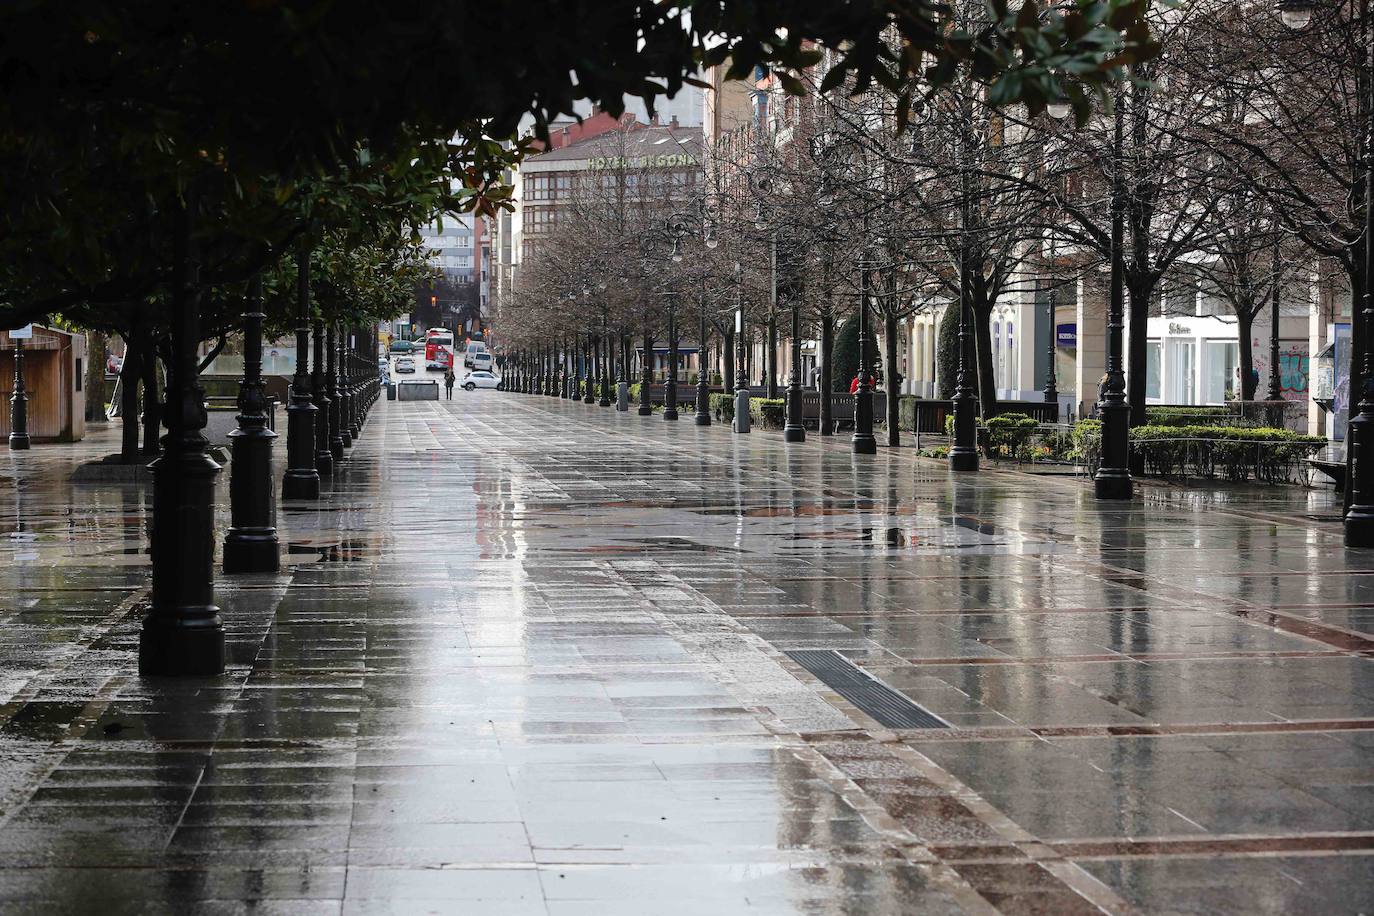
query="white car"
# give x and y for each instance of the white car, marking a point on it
(474, 380)
(405, 365)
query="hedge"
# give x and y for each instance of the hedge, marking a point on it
(1233, 452)
(767, 412)
(1187, 416)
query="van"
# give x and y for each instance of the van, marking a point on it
(474, 349)
(481, 362)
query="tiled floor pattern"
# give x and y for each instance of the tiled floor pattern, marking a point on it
(530, 659)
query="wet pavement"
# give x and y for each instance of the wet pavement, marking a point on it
(532, 657)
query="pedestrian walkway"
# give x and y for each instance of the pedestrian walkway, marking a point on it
(534, 657)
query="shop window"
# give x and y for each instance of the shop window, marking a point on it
(1223, 371)
(1154, 356)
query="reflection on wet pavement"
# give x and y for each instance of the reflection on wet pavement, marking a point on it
(531, 657)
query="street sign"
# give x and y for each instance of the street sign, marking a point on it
(1066, 335)
(24, 333)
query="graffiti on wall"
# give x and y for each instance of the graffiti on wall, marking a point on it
(1294, 369)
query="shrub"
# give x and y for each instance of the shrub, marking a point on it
(1233, 452)
(1187, 416)
(845, 364)
(1008, 434)
(767, 412)
(906, 411)
(723, 407)
(947, 351)
(1087, 443)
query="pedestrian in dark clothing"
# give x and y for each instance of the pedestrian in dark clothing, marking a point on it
(449, 379)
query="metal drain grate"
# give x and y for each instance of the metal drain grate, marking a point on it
(875, 698)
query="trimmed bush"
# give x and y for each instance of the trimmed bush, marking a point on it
(723, 407)
(1087, 443)
(947, 352)
(1234, 452)
(845, 364)
(1187, 416)
(767, 412)
(1008, 434)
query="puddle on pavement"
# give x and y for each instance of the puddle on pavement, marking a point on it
(349, 550)
(42, 720)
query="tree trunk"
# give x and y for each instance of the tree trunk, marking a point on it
(1138, 293)
(987, 379)
(152, 405)
(894, 435)
(94, 382)
(129, 375)
(727, 380)
(1245, 324)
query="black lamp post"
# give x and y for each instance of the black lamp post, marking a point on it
(703, 414)
(589, 391)
(670, 380)
(302, 479)
(1359, 515)
(1051, 382)
(963, 452)
(742, 394)
(1113, 480)
(793, 430)
(251, 544)
(605, 399)
(319, 382)
(863, 441)
(19, 401)
(182, 633)
(336, 445)
(646, 406)
(348, 378)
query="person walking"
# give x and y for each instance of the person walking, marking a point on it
(449, 379)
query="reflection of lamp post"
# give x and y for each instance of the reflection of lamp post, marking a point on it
(19, 401)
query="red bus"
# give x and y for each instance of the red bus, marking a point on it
(438, 348)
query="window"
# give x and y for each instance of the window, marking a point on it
(1153, 356)
(1223, 371)
(80, 375)
(1182, 371)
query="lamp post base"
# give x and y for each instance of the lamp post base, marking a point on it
(864, 444)
(300, 485)
(1112, 483)
(622, 397)
(794, 434)
(19, 442)
(1359, 526)
(963, 459)
(175, 651)
(252, 550)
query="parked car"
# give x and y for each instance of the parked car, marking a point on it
(474, 380)
(402, 346)
(405, 364)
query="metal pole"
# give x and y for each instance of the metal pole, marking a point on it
(251, 544)
(794, 430)
(646, 365)
(19, 403)
(1359, 518)
(302, 479)
(703, 414)
(319, 383)
(741, 422)
(336, 446)
(670, 383)
(348, 372)
(182, 633)
(863, 441)
(1113, 480)
(605, 399)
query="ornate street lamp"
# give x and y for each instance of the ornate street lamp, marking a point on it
(1113, 479)
(336, 446)
(742, 393)
(319, 383)
(1051, 382)
(302, 479)
(348, 370)
(1359, 516)
(863, 441)
(251, 544)
(19, 401)
(681, 226)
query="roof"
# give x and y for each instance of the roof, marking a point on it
(638, 143)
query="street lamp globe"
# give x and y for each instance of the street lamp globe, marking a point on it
(1059, 110)
(1295, 14)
